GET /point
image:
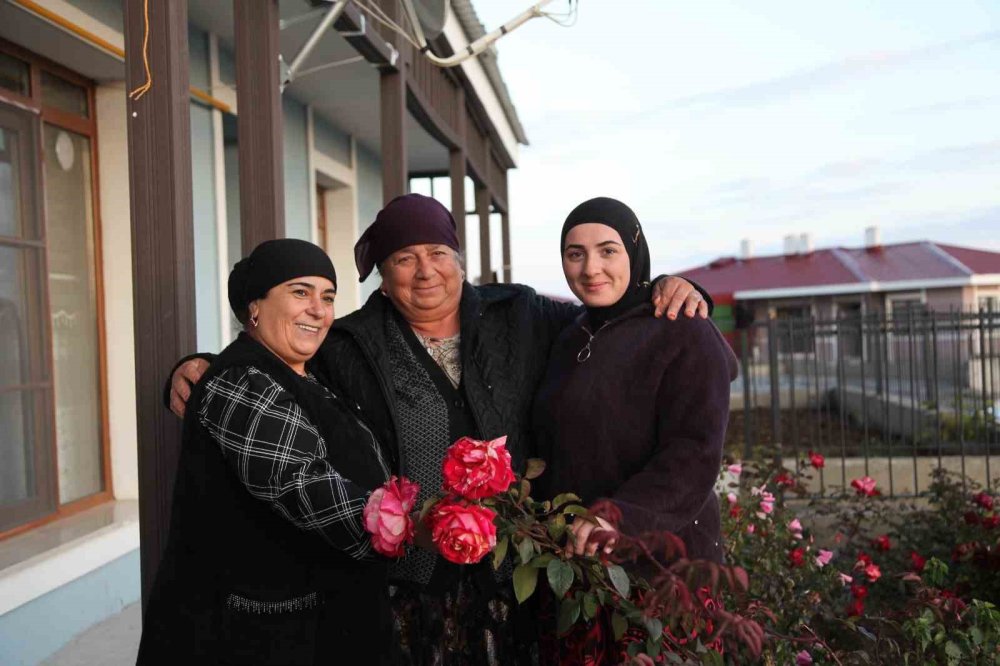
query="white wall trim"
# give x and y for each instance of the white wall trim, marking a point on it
(332, 169)
(39, 575)
(220, 90)
(867, 287)
(221, 224)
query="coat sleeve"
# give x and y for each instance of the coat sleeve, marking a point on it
(692, 410)
(280, 457)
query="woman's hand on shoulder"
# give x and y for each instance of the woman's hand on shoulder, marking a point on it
(185, 376)
(672, 294)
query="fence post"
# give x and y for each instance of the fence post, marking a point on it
(772, 356)
(747, 430)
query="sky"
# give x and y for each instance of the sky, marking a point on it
(721, 120)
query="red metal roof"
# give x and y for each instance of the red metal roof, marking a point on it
(840, 266)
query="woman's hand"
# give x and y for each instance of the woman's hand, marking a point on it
(580, 531)
(673, 293)
(184, 377)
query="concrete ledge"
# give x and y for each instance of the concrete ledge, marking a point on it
(65, 562)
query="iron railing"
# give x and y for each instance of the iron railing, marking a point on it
(888, 397)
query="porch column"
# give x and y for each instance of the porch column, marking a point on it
(505, 222)
(159, 163)
(393, 101)
(259, 123)
(483, 210)
(457, 169)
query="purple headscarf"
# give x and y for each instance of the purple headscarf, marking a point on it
(410, 219)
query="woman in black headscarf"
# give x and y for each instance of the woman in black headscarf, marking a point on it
(267, 560)
(631, 411)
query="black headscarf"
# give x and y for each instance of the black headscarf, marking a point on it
(272, 263)
(621, 218)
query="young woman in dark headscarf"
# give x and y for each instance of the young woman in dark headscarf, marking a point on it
(267, 560)
(632, 410)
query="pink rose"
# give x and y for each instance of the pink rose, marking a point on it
(767, 507)
(751, 529)
(475, 468)
(817, 460)
(824, 558)
(463, 533)
(803, 658)
(873, 572)
(733, 499)
(795, 525)
(735, 469)
(387, 516)
(845, 579)
(865, 486)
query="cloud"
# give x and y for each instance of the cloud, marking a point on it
(826, 75)
(964, 104)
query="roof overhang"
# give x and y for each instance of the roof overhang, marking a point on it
(985, 279)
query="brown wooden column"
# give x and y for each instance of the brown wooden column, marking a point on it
(483, 210)
(505, 222)
(394, 157)
(457, 169)
(259, 123)
(159, 152)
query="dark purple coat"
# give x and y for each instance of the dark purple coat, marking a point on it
(641, 422)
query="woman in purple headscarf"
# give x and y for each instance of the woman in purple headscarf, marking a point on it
(428, 359)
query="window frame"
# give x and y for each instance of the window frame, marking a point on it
(51, 507)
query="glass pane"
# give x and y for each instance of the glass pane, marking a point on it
(14, 75)
(63, 95)
(17, 472)
(14, 337)
(10, 184)
(73, 299)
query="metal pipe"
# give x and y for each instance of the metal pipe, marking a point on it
(313, 40)
(478, 46)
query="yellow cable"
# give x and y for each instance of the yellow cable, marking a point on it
(144, 88)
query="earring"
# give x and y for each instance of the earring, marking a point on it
(253, 320)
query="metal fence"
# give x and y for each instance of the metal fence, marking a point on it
(888, 397)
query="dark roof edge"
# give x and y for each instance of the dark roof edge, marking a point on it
(474, 29)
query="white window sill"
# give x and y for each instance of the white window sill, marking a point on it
(44, 559)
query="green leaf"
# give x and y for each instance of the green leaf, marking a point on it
(652, 647)
(618, 625)
(534, 468)
(569, 613)
(619, 579)
(556, 527)
(525, 580)
(575, 510)
(524, 489)
(560, 577)
(500, 552)
(589, 605)
(428, 503)
(653, 627)
(526, 549)
(542, 560)
(564, 498)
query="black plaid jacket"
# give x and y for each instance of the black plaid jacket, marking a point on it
(280, 457)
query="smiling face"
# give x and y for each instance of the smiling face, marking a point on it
(293, 319)
(424, 282)
(595, 264)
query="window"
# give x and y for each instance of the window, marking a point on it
(53, 444)
(795, 329)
